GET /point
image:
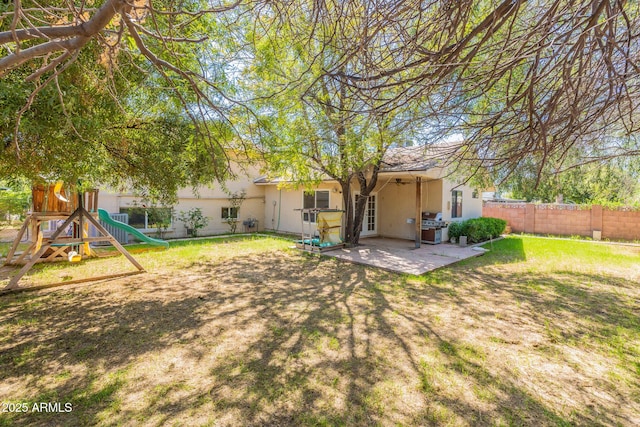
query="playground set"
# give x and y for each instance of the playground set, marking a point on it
(327, 236)
(71, 240)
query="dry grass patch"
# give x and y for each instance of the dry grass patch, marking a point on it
(252, 333)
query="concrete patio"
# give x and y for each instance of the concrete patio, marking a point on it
(401, 256)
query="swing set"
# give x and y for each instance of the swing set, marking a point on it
(70, 241)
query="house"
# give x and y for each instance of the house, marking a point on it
(391, 208)
(212, 201)
(407, 179)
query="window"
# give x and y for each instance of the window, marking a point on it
(148, 218)
(229, 213)
(369, 223)
(456, 204)
(371, 213)
(317, 200)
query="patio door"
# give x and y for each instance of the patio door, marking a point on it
(370, 220)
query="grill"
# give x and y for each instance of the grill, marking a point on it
(432, 225)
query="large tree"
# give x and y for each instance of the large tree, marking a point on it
(517, 78)
(313, 125)
(115, 91)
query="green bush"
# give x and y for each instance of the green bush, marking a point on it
(477, 229)
(456, 229)
(193, 221)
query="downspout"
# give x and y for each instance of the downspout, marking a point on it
(279, 209)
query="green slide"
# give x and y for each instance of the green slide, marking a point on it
(106, 218)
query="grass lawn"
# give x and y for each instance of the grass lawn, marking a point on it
(249, 332)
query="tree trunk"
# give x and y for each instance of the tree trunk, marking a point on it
(361, 204)
(355, 214)
(348, 211)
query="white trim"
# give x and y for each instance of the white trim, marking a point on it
(315, 202)
(364, 232)
(146, 228)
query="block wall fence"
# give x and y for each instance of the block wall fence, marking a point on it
(571, 220)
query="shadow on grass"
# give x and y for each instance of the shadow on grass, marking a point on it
(298, 340)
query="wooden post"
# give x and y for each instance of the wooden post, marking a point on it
(13, 283)
(81, 223)
(418, 223)
(113, 241)
(17, 240)
(90, 203)
(95, 200)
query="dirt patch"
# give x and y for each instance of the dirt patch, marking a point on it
(283, 338)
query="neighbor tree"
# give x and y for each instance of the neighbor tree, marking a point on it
(14, 200)
(114, 92)
(611, 181)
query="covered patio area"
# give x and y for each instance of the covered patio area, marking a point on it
(401, 256)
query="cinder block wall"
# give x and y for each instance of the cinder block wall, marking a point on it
(569, 220)
(513, 213)
(621, 224)
(560, 219)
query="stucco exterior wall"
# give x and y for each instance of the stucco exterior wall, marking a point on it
(275, 209)
(108, 200)
(210, 200)
(432, 196)
(397, 204)
(471, 207)
(279, 206)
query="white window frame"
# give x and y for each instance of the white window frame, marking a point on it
(456, 196)
(307, 216)
(228, 217)
(146, 228)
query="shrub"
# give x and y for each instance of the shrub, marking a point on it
(193, 220)
(456, 229)
(477, 229)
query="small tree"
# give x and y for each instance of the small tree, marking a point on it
(235, 200)
(193, 220)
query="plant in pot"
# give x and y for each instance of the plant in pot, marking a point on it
(193, 221)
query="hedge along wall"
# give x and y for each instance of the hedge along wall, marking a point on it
(571, 220)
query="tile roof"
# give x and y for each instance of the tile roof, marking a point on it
(398, 159)
(405, 159)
